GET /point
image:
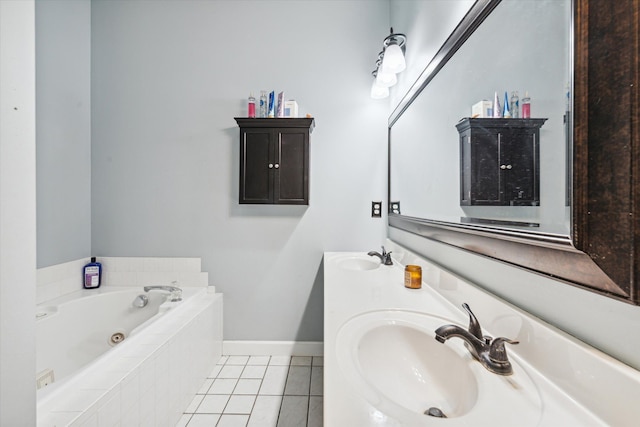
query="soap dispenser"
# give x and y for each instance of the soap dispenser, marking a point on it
(92, 273)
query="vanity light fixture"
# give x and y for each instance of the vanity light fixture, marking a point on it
(378, 91)
(390, 62)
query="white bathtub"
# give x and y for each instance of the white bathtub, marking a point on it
(149, 378)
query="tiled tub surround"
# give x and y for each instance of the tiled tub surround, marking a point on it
(150, 378)
(260, 391)
(61, 279)
(577, 384)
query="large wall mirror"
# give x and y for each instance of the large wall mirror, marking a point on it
(517, 189)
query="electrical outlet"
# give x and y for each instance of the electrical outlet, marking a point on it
(376, 209)
(44, 378)
(394, 207)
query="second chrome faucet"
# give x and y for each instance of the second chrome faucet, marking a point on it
(490, 352)
(385, 257)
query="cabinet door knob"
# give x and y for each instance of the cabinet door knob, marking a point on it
(270, 165)
(277, 166)
(503, 167)
(508, 166)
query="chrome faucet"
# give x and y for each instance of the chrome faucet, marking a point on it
(176, 292)
(490, 352)
(385, 257)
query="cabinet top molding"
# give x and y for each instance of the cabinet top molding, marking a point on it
(467, 122)
(279, 122)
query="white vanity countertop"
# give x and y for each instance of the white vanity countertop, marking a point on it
(573, 379)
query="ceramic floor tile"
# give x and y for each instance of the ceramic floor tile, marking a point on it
(212, 404)
(230, 371)
(237, 360)
(205, 386)
(253, 371)
(260, 391)
(223, 386)
(184, 420)
(258, 360)
(316, 381)
(274, 381)
(265, 411)
(280, 360)
(239, 404)
(247, 386)
(293, 411)
(203, 420)
(194, 404)
(315, 412)
(216, 370)
(228, 420)
(301, 361)
(298, 381)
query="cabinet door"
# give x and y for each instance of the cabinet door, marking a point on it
(486, 179)
(256, 179)
(519, 167)
(291, 178)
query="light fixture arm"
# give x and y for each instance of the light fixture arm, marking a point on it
(395, 38)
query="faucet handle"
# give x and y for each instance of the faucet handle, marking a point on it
(497, 351)
(474, 325)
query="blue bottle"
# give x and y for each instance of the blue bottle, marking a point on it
(92, 274)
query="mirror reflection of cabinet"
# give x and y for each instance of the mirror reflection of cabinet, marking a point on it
(499, 162)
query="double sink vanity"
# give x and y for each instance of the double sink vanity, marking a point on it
(385, 365)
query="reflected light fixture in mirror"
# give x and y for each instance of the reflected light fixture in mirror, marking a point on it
(390, 62)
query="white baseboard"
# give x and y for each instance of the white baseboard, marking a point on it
(274, 348)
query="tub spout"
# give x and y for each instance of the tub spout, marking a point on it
(176, 292)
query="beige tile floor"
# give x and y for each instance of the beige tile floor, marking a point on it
(259, 391)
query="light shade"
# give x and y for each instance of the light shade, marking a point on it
(378, 92)
(385, 79)
(393, 60)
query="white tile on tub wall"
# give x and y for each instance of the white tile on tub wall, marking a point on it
(47, 292)
(130, 390)
(109, 409)
(149, 278)
(187, 265)
(192, 279)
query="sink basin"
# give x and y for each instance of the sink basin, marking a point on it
(392, 360)
(359, 263)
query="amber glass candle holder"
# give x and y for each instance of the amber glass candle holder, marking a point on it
(413, 277)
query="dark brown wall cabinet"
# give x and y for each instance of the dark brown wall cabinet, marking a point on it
(499, 162)
(274, 160)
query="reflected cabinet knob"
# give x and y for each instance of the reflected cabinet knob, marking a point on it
(277, 166)
(503, 167)
(271, 166)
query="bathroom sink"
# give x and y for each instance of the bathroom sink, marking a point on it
(359, 263)
(392, 360)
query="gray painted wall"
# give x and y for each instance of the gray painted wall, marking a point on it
(603, 322)
(63, 130)
(167, 79)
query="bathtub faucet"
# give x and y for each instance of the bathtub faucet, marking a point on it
(176, 292)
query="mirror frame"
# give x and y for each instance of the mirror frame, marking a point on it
(601, 254)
